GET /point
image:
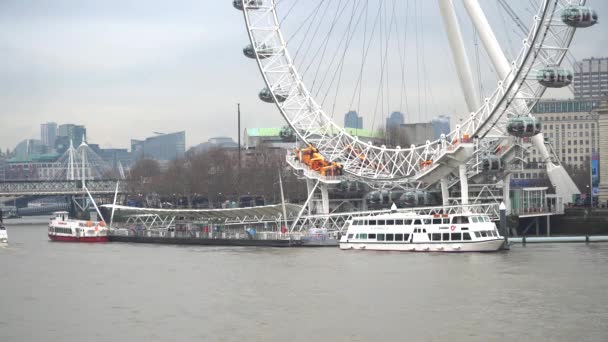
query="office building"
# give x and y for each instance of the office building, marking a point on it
(396, 119)
(162, 147)
(28, 148)
(353, 120)
(591, 78)
(571, 126)
(441, 125)
(603, 153)
(67, 133)
(222, 143)
(48, 133)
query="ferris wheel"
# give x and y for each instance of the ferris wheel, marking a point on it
(319, 58)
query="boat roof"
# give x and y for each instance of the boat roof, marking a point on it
(408, 215)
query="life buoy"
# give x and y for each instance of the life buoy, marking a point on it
(452, 227)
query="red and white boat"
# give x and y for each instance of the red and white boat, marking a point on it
(62, 228)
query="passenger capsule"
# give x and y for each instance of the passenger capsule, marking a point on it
(266, 96)
(523, 126)
(579, 16)
(263, 51)
(554, 77)
(490, 163)
(251, 4)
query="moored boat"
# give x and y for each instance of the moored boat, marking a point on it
(423, 233)
(62, 228)
(3, 234)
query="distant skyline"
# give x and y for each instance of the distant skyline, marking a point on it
(125, 69)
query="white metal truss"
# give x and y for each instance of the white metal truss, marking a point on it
(516, 94)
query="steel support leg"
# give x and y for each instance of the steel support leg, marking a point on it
(450, 21)
(506, 192)
(464, 184)
(445, 192)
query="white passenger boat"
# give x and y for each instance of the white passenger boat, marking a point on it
(3, 234)
(63, 228)
(422, 233)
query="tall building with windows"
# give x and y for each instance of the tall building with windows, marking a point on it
(161, 147)
(591, 78)
(67, 133)
(48, 133)
(396, 119)
(441, 125)
(571, 126)
(353, 120)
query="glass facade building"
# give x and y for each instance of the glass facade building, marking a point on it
(162, 147)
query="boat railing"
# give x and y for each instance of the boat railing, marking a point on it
(196, 234)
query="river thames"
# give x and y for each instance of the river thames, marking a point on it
(121, 292)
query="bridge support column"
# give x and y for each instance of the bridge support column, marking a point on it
(548, 225)
(537, 226)
(464, 184)
(310, 188)
(506, 192)
(324, 199)
(445, 192)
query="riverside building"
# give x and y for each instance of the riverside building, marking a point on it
(571, 126)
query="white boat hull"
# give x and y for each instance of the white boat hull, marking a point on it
(491, 245)
(3, 234)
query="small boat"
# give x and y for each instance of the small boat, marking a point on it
(422, 233)
(62, 228)
(3, 234)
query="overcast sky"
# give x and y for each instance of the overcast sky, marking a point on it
(127, 68)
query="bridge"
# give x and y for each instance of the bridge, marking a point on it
(65, 187)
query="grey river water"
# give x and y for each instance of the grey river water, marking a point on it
(51, 291)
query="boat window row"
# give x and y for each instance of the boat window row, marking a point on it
(60, 230)
(381, 237)
(450, 237)
(406, 237)
(407, 222)
(486, 233)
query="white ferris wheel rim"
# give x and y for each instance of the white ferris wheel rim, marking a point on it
(548, 38)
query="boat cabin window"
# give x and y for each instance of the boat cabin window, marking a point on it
(427, 221)
(474, 219)
(407, 222)
(456, 236)
(371, 222)
(466, 236)
(381, 222)
(436, 236)
(362, 236)
(436, 221)
(460, 219)
(380, 237)
(477, 234)
(446, 220)
(390, 222)
(398, 237)
(372, 236)
(406, 237)
(399, 222)
(390, 237)
(483, 233)
(350, 236)
(417, 222)
(446, 236)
